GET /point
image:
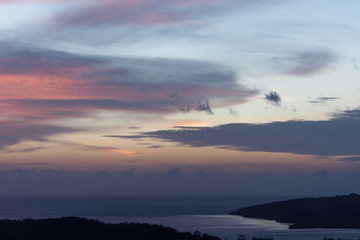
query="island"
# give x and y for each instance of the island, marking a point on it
(75, 228)
(324, 212)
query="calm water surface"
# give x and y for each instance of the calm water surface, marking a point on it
(207, 214)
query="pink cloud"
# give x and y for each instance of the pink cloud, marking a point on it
(124, 152)
(41, 84)
(146, 12)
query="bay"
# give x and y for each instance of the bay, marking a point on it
(207, 214)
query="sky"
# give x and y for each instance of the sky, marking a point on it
(179, 97)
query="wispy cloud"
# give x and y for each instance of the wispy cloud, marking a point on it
(306, 63)
(14, 132)
(335, 137)
(351, 159)
(199, 107)
(121, 151)
(52, 84)
(322, 100)
(125, 152)
(232, 111)
(356, 67)
(23, 150)
(156, 146)
(147, 12)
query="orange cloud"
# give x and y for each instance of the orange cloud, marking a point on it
(191, 123)
(120, 151)
(125, 152)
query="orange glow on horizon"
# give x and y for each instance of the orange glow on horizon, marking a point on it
(121, 151)
(191, 123)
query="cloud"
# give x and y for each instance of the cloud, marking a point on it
(232, 111)
(204, 107)
(121, 151)
(350, 159)
(273, 98)
(45, 84)
(14, 132)
(24, 150)
(155, 146)
(322, 100)
(147, 13)
(306, 63)
(336, 137)
(134, 128)
(42, 62)
(94, 22)
(356, 67)
(14, 1)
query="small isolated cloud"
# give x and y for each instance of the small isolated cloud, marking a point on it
(232, 111)
(198, 107)
(273, 98)
(355, 64)
(322, 100)
(155, 146)
(204, 107)
(134, 128)
(306, 63)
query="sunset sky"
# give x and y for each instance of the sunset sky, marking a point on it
(221, 90)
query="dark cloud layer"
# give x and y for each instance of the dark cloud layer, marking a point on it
(338, 136)
(172, 182)
(13, 133)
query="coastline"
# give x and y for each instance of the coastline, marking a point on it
(305, 213)
(211, 219)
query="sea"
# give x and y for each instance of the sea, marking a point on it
(206, 214)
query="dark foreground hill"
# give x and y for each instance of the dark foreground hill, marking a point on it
(325, 212)
(73, 228)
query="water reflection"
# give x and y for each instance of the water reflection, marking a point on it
(229, 227)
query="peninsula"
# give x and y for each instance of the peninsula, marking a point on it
(324, 212)
(74, 228)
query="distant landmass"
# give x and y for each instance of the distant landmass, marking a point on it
(71, 228)
(324, 212)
